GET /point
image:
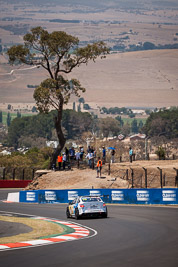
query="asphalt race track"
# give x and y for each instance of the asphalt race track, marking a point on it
(130, 236)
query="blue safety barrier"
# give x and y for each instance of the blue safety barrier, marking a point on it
(121, 196)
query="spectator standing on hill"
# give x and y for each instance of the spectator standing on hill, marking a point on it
(92, 150)
(81, 152)
(99, 167)
(59, 159)
(90, 158)
(67, 153)
(130, 154)
(64, 161)
(72, 153)
(104, 155)
(112, 155)
(77, 155)
(88, 149)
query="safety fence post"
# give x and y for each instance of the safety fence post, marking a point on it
(33, 173)
(161, 177)
(145, 177)
(18, 173)
(120, 158)
(164, 179)
(4, 174)
(78, 164)
(109, 169)
(13, 174)
(132, 175)
(127, 174)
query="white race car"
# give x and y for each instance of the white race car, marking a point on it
(86, 206)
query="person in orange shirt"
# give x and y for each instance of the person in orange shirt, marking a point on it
(59, 159)
(99, 167)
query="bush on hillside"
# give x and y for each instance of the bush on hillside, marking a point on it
(34, 158)
(164, 122)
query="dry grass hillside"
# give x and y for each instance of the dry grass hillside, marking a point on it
(134, 79)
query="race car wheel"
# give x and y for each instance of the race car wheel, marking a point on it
(76, 214)
(67, 213)
(105, 215)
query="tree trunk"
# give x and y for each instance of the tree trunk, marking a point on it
(61, 138)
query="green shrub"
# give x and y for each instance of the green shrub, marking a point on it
(161, 153)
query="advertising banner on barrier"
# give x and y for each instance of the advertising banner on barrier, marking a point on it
(95, 193)
(50, 196)
(123, 196)
(29, 196)
(117, 195)
(143, 195)
(72, 195)
(169, 195)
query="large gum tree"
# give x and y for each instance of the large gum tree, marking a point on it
(58, 53)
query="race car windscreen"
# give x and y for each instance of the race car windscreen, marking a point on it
(91, 199)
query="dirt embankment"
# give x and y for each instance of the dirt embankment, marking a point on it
(72, 179)
(86, 178)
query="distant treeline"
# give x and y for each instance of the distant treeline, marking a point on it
(31, 86)
(116, 110)
(142, 47)
(64, 21)
(35, 130)
(16, 29)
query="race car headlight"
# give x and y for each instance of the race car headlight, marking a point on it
(104, 205)
(82, 206)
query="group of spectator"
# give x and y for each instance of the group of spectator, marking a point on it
(70, 154)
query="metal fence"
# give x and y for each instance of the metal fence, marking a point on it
(144, 177)
(17, 173)
(137, 178)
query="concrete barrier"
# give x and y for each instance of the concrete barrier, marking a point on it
(168, 196)
(13, 197)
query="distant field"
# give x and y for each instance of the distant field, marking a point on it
(13, 116)
(134, 79)
(130, 120)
